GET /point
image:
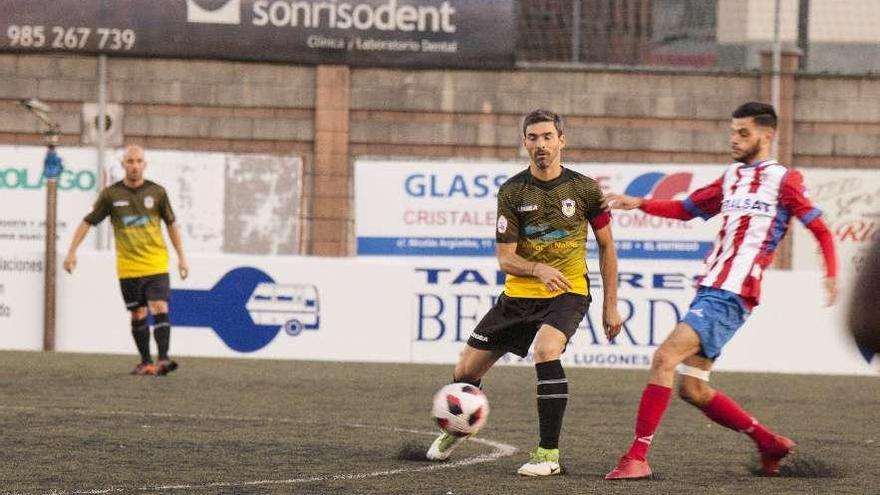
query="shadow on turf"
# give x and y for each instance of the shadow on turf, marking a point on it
(801, 466)
(412, 451)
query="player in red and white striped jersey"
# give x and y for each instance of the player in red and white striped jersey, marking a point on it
(756, 198)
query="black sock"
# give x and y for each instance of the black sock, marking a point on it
(141, 333)
(475, 383)
(162, 334)
(552, 398)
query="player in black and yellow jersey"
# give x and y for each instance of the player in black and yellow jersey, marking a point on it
(541, 237)
(136, 208)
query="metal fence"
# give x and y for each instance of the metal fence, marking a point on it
(837, 36)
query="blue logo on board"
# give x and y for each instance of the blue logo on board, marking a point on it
(247, 308)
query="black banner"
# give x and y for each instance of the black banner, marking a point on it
(398, 33)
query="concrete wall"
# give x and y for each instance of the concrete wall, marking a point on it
(331, 115)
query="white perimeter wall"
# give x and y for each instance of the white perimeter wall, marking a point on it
(415, 310)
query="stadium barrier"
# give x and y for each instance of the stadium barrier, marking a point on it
(409, 310)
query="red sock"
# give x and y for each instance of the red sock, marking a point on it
(726, 412)
(655, 400)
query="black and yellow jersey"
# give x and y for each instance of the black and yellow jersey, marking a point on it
(548, 221)
(135, 215)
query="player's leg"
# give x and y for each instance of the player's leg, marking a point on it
(560, 318)
(681, 344)
(140, 331)
(552, 397)
(157, 289)
(136, 304)
(472, 364)
(498, 332)
(717, 406)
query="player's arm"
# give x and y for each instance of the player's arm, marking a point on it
(794, 199)
(611, 320)
(177, 242)
(704, 203)
(70, 260)
(99, 212)
(170, 220)
(514, 264)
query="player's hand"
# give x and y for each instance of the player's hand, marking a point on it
(183, 269)
(620, 202)
(611, 321)
(830, 291)
(552, 278)
(70, 262)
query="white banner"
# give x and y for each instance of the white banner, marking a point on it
(22, 228)
(249, 306)
(850, 204)
(448, 208)
(234, 203)
(21, 301)
(327, 309)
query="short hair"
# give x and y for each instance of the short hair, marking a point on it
(539, 115)
(762, 113)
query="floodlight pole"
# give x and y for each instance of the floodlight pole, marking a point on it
(52, 168)
(777, 69)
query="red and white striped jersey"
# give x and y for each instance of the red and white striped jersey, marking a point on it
(756, 203)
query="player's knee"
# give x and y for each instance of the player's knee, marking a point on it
(138, 313)
(158, 306)
(663, 360)
(546, 351)
(694, 392)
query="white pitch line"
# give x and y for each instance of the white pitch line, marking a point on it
(501, 450)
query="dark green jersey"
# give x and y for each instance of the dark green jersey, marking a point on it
(548, 221)
(136, 215)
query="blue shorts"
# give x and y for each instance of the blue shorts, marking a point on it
(716, 315)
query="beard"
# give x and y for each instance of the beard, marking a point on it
(542, 160)
(746, 156)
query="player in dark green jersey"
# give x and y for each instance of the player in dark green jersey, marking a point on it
(541, 236)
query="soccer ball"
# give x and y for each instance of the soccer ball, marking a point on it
(460, 409)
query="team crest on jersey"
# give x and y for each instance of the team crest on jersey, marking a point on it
(568, 207)
(149, 202)
(502, 224)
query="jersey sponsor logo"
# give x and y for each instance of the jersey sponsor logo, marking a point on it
(527, 208)
(149, 202)
(746, 203)
(697, 311)
(502, 224)
(247, 308)
(568, 207)
(657, 185)
(479, 337)
(135, 220)
(120, 203)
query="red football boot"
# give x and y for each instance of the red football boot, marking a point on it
(629, 469)
(771, 457)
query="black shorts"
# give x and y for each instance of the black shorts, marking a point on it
(138, 290)
(511, 325)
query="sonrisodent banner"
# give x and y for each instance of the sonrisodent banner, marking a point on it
(448, 208)
(411, 33)
(321, 309)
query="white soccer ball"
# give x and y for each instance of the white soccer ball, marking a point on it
(460, 409)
